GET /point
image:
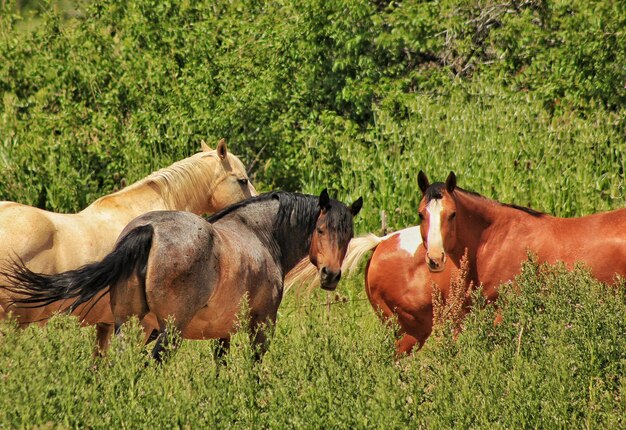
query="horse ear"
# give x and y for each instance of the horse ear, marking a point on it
(204, 146)
(222, 151)
(356, 206)
(422, 181)
(324, 199)
(451, 182)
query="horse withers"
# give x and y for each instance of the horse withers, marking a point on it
(179, 265)
(50, 242)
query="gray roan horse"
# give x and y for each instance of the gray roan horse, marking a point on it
(177, 264)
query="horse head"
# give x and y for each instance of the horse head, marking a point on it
(437, 213)
(330, 239)
(231, 180)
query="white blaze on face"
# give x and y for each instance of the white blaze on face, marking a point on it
(435, 239)
(410, 239)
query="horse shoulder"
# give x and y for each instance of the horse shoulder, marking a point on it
(391, 274)
(25, 231)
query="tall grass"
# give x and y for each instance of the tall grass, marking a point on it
(558, 360)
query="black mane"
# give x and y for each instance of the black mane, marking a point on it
(296, 206)
(296, 209)
(529, 211)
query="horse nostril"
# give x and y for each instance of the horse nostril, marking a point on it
(324, 271)
(338, 276)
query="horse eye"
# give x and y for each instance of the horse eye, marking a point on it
(421, 215)
(452, 216)
(319, 230)
(242, 181)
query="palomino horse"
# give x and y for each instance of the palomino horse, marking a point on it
(50, 242)
(176, 264)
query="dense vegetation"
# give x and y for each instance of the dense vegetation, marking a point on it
(557, 361)
(523, 99)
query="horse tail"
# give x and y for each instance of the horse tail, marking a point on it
(306, 274)
(34, 290)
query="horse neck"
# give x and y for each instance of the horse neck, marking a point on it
(475, 214)
(287, 232)
(125, 205)
(294, 246)
(186, 185)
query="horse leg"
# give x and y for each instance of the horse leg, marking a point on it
(128, 298)
(165, 346)
(103, 336)
(221, 349)
(405, 345)
(261, 330)
(150, 327)
(167, 343)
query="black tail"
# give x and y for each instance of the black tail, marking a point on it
(37, 289)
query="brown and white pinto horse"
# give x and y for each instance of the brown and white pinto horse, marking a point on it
(398, 283)
(198, 271)
(50, 242)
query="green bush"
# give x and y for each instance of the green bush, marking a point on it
(557, 360)
(315, 94)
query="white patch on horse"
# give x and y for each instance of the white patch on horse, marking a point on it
(435, 238)
(410, 239)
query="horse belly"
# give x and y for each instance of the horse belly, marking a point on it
(212, 322)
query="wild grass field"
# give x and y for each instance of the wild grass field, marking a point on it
(557, 361)
(524, 100)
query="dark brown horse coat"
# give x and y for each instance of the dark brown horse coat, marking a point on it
(176, 264)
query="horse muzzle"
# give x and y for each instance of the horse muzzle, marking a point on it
(329, 279)
(436, 264)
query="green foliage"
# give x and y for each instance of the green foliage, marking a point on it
(523, 99)
(351, 95)
(558, 360)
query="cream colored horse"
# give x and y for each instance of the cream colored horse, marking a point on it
(49, 242)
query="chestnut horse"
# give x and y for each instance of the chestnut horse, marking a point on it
(176, 264)
(49, 242)
(498, 237)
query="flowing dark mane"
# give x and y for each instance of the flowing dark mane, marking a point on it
(296, 207)
(298, 203)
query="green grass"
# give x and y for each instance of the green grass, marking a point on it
(557, 361)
